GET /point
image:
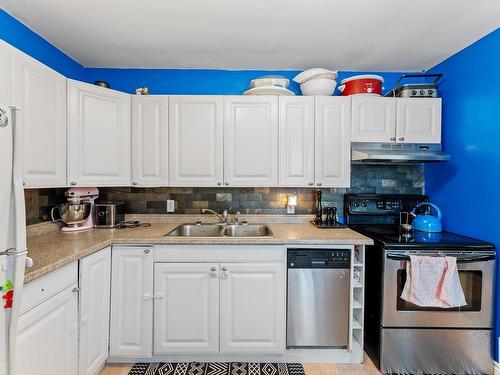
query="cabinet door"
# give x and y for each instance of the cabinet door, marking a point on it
(418, 120)
(186, 308)
(95, 274)
(196, 140)
(296, 141)
(250, 141)
(252, 307)
(333, 150)
(150, 140)
(47, 341)
(373, 119)
(131, 328)
(40, 92)
(98, 136)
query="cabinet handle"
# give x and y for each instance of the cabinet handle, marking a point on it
(213, 269)
(393, 139)
(401, 138)
(226, 183)
(219, 183)
(319, 183)
(76, 289)
(311, 183)
(147, 251)
(72, 183)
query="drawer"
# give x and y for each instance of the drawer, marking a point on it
(49, 285)
(220, 253)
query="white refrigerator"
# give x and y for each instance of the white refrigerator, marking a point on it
(12, 237)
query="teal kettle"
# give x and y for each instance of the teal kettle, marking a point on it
(427, 223)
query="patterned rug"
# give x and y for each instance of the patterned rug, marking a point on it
(217, 368)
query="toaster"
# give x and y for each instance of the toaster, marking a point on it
(109, 214)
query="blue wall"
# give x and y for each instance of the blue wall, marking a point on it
(467, 188)
(184, 81)
(21, 37)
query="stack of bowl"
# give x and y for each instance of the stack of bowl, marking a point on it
(269, 85)
(317, 81)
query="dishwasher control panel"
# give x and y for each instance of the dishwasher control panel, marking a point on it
(319, 258)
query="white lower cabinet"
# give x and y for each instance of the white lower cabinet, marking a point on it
(47, 341)
(186, 308)
(131, 323)
(252, 307)
(248, 299)
(95, 274)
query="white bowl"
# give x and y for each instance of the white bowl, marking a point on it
(309, 73)
(318, 87)
(279, 81)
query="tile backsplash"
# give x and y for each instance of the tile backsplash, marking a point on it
(382, 179)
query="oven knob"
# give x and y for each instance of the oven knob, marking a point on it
(422, 92)
(364, 204)
(356, 203)
(414, 92)
(430, 92)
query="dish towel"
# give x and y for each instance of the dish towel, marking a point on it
(432, 281)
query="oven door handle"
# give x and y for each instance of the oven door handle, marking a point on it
(464, 259)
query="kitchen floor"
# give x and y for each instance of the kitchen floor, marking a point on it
(367, 368)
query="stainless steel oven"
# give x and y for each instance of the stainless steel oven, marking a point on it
(402, 337)
(476, 276)
(425, 340)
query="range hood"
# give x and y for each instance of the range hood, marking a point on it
(397, 153)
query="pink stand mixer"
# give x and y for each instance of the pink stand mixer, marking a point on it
(77, 214)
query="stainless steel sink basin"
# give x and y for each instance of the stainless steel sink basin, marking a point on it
(197, 230)
(221, 230)
(248, 230)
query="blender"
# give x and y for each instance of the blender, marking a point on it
(76, 214)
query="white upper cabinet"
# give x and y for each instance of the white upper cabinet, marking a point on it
(418, 120)
(196, 141)
(252, 307)
(401, 120)
(332, 141)
(149, 140)
(98, 136)
(131, 322)
(95, 274)
(296, 141)
(40, 92)
(186, 312)
(250, 141)
(373, 119)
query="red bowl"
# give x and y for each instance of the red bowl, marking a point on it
(363, 84)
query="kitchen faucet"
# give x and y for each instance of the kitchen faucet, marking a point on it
(224, 218)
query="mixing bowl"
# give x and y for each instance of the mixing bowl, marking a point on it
(73, 215)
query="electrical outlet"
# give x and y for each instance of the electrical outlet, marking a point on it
(170, 205)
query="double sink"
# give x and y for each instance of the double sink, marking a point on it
(221, 230)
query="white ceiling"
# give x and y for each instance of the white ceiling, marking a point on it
(382, 35)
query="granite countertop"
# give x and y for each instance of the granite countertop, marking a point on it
(51, 249)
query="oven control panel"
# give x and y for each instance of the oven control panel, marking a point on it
(382, 204)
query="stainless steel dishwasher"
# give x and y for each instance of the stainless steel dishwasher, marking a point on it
(318, 298)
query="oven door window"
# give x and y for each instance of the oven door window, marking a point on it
(471, 281)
